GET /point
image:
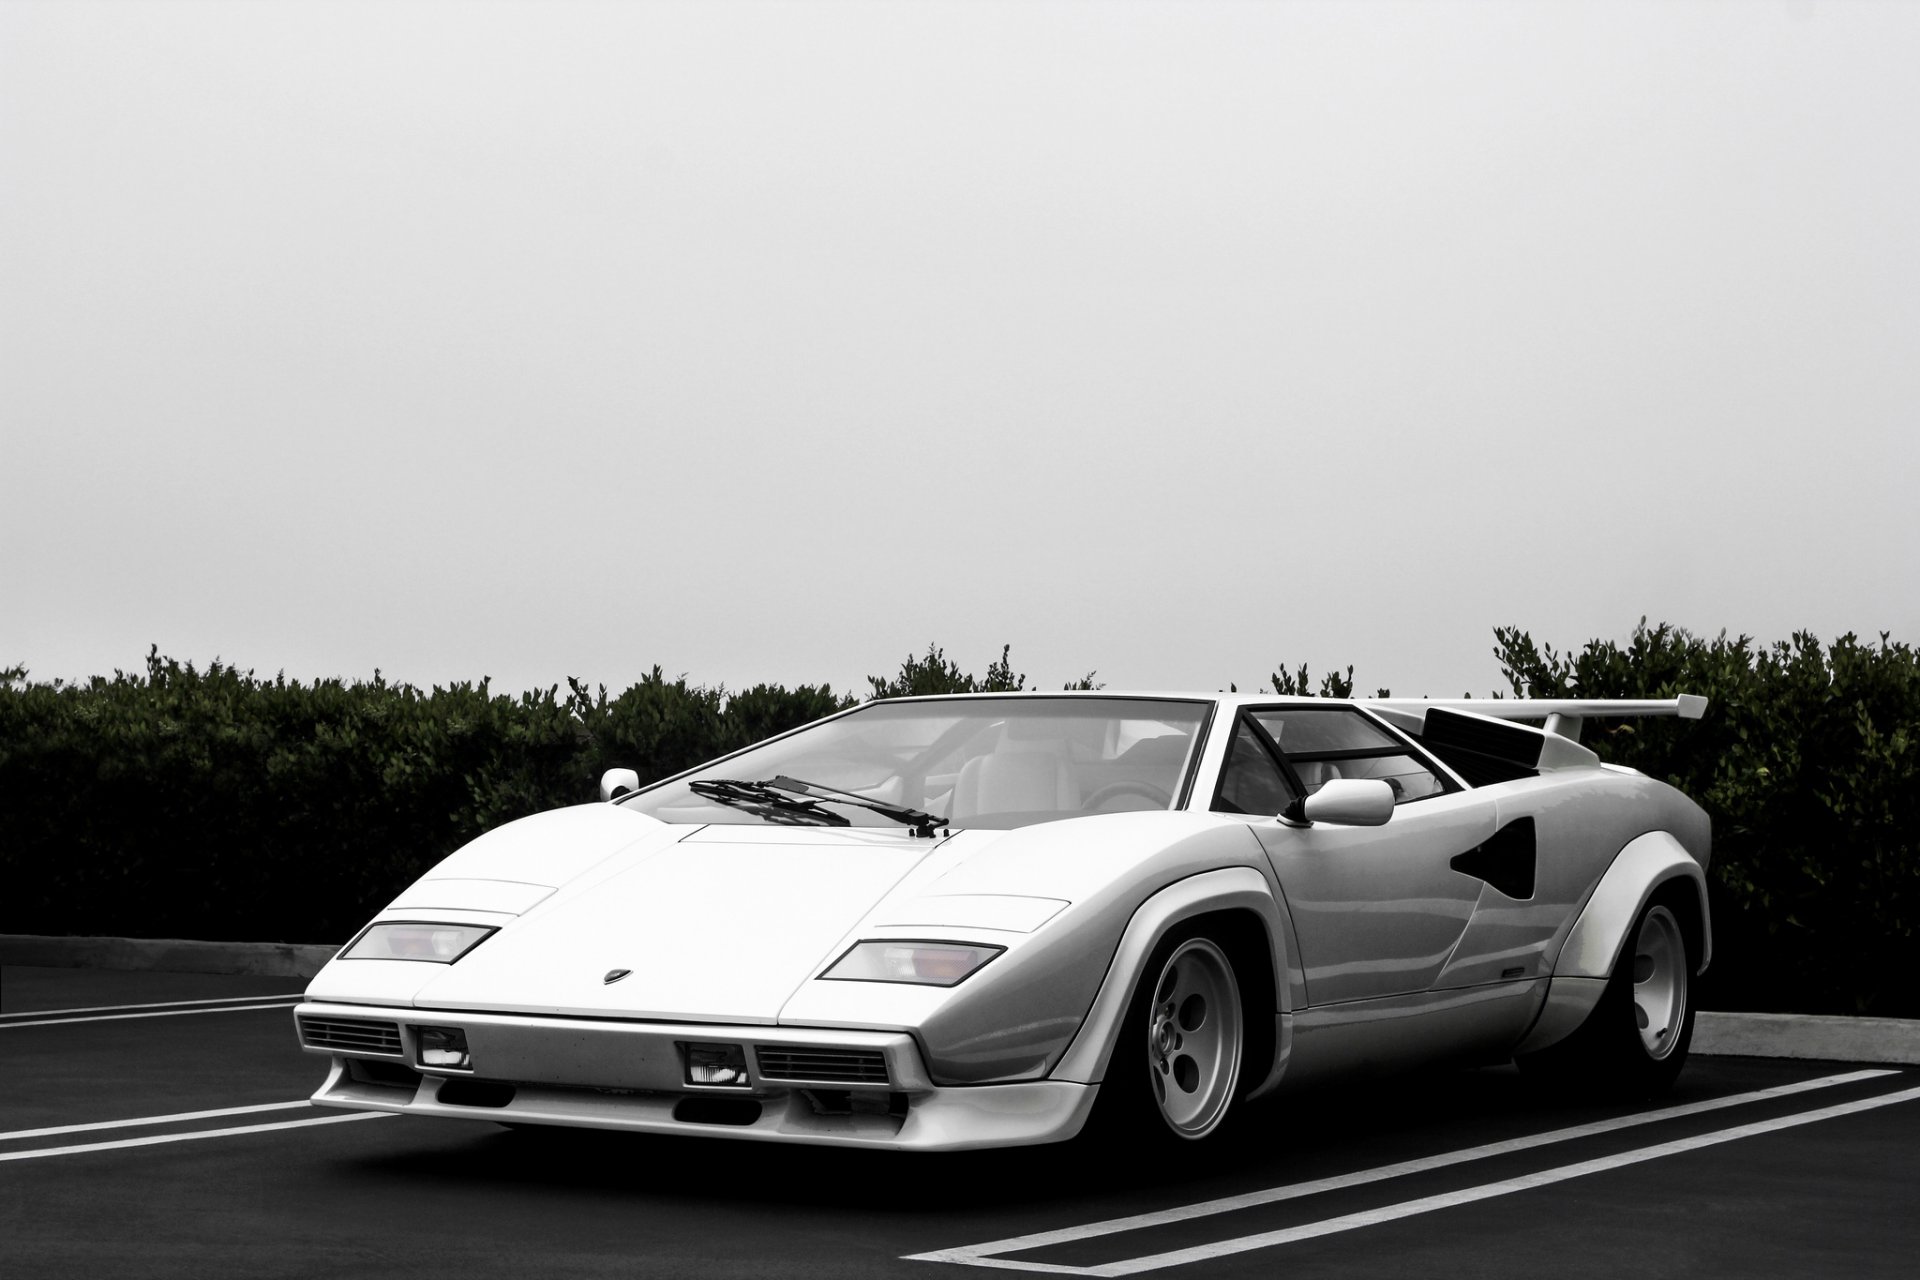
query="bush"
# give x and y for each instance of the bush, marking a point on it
(176, 802)
(1809, 763)
(211, 804)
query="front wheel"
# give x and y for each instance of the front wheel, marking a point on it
(1175, 1072)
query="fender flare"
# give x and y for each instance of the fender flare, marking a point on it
(1224, 889)
(1648, 864)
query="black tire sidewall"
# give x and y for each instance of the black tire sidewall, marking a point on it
(1606, 1056)
(1641, 1072)
(1127, 1112)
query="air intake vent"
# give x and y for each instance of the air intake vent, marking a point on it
(836, 1066)
(351, 1035)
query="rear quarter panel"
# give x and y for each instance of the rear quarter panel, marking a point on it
(1582, 820)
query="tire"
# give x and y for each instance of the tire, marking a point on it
(1176, 1072)
(1636, 1039)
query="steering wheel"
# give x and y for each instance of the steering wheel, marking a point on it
(1147, 790)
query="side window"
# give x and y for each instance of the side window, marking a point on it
(1306, 731)
(1251, 782)
(1324, 743)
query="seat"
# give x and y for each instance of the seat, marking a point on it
(1315, 774)
(1014, 782)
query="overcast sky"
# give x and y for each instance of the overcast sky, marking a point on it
(774, 341)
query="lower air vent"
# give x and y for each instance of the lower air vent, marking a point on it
(707, 1110)
(841, 1066)
(351, 1035)
(390, 1075)
(476, 1093)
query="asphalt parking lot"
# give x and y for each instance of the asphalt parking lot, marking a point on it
(154, 1124)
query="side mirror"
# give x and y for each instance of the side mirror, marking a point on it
(1352, 802)
(617, 782)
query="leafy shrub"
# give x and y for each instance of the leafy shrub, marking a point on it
(1809, 762)
(935, 673)
(211, 804)
(175, 802)
(1298, 684)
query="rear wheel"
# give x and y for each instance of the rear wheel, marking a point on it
(1176, 1071)
(1662, 1012)
(1636, 1039)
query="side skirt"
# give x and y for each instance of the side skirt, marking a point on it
(1394, 1033)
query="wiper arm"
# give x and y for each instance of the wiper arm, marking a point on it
(765, 795)
(921, 821)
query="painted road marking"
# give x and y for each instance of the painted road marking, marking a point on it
(1467, 1195)
(987, 1255)
(163, 1013)
(156, 1004)
(189, 1137)
(18, 1134)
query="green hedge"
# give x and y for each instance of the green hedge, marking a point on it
(177, 802)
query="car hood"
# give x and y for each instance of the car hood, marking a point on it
(720, 926)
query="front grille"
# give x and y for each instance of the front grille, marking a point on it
(841, 1066)
(351, 1035)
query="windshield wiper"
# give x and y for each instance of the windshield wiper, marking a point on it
(783, 806)
(920, 820)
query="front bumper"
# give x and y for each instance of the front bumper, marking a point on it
(833, 1087)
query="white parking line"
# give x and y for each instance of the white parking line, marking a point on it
(1467, 1195)
(137, 1121)
(156, 1004)
(189, 1137)
(985, 1255)
(163, 1013)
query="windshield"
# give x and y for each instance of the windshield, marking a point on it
(969, 762)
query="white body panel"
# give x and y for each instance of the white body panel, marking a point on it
(550, 849)
(1378, 912)
(711, 931)
(492, 897)
(1376, 1037)
(1644, 865)
(1227, 889)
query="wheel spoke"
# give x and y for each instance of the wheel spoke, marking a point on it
(1194, 1037)
(1659, 981)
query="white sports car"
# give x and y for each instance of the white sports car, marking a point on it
(951, 922)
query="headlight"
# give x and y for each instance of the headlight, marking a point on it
(933, 964)
(411, 940)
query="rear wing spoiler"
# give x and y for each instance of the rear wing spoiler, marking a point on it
(1473, 734)
(1563, 715)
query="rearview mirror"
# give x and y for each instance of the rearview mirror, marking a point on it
(617, 782)
(1352, 802)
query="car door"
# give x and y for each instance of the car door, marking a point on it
(1377, 911)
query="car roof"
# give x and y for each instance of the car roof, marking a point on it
(1181, 695)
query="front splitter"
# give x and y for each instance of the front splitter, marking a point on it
(936, 1119)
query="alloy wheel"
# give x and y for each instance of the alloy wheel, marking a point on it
(1194, 1038)
(1659, 982)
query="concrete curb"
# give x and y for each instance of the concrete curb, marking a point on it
(1807, 1035)
(173, 955)
(1731, 1035)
